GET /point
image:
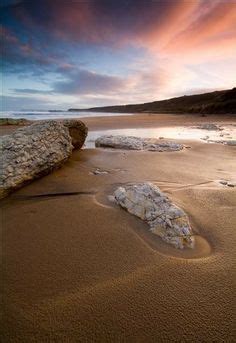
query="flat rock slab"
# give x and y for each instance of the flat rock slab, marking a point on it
(230, 143)
(146, 201)
(136, 143)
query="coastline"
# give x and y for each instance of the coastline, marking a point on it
(137, 120)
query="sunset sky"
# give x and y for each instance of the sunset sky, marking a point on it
(69, 53)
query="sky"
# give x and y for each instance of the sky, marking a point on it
(58, 54)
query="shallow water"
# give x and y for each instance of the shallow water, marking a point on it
(228, 132)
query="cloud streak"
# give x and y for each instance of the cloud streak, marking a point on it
(88, 82)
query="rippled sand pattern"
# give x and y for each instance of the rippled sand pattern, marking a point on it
(77, 268)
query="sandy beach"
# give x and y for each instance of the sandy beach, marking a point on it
(78, 268)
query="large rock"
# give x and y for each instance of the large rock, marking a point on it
(31, 152)
(136, 143)
(78, 131)
(165, 219)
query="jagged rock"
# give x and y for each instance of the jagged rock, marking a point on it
(78, 131)
(165, 219)
(136, 143)
(31, 152)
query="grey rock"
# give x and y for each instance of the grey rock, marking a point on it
(223, 182)
(23, 160)
(232, 143)
(98, 171)
(205, 138)
(136, 143)
(231, 184)
(146, 201)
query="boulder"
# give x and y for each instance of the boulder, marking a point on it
(78, 131)
(146, 201)
(136, 143)
(31, 152)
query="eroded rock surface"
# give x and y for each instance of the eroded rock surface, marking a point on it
(78, 131)
(136, 143)
(31, 152)
(146, 201)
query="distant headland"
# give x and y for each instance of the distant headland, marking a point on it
(218, 102)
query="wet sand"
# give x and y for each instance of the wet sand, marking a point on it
(150, 120)
(77, 268)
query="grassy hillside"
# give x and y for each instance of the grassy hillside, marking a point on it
(215, 102)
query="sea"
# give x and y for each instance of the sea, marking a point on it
(41, 115)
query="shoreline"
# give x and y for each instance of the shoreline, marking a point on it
(147, 120)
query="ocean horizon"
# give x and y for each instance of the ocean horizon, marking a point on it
(41, 115)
